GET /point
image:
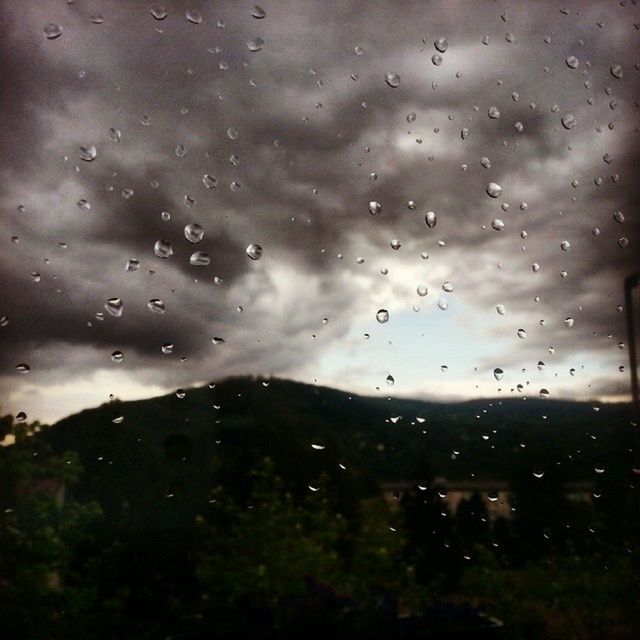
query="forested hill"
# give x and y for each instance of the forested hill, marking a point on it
(204, 433)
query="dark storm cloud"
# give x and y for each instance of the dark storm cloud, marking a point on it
(314, 120)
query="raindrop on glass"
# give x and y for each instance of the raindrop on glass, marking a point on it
(114, 307)
(392, 79)
(254, 251)
(163, 249)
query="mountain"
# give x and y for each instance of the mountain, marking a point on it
(163, 459)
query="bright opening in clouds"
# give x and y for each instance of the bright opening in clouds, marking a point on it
(190, 195)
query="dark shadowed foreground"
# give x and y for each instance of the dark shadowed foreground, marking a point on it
(278, 509)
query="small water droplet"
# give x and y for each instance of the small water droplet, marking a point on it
(114, 307)
(52, 30)
(616, 71)
(494, 190)
(382, 316)
(392, 79)
(422, 290)
(374, 208)
(193, 232)
(254, 251)
(163, 249)
(522, 334)
(497, 224)
(193, 16)
(23, 368)
(572, 62)
(88, 153)
(431, 219)
(117, 356)
(199, 259)
(209, 181)
(158, 12)
(258, 12)
(390, 380)
(255, 44)
(156, 305)
(569, 121)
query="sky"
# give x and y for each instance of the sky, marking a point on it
(280, 127)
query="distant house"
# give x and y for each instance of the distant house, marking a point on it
(496, 494)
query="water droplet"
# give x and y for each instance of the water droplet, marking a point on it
(155, 305)
(392, 79)
(390, 380)
(193, 232)
(255, 44)
(254, 251)
(200, 259)
(485, 162)
(500, 309)
(443, 305)
(133, 264)
(431, 219)
(96, 18)
(572, 62)
(493, 113)
(569, 322)
(436, 59)
(114, 307)
(180, 393)
(318, 447)
(497, 224)
(88, 153)
(623, 242)
(544, 393)
(395, 244)
(209, 181)
(193, 16)
(232, 133)
(382, 316)
(181, 151)
(538, 473)
(569, 121)
(441, 44)
(522, 334)
(616, 71)
(494, 190)
(374, 208)
(167, 348)
(117, 356)
(448, 287)
(422, 290)
(535, 267)
(21, 417)
(23, 368)
(498, 374)
(565, 245)
(158, 12)
(163, 249)
(618, 216)
(52, 30)
(258, 12)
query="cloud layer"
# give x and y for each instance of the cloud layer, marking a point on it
(298, 138)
